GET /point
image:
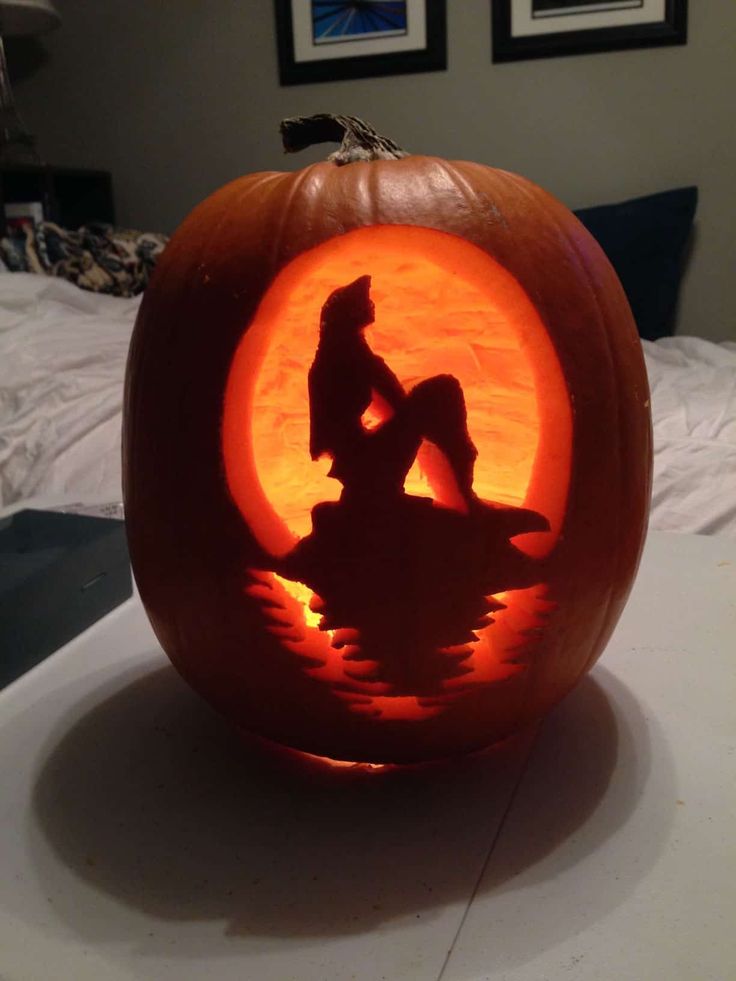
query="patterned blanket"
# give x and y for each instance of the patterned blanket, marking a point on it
(96, 257)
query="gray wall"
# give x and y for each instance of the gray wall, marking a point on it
(178, 96)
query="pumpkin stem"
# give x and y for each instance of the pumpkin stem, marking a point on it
(358, 140)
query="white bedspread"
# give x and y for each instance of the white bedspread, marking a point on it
(62, 360)
(693, 384)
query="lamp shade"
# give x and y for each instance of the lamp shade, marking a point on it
(27, 17)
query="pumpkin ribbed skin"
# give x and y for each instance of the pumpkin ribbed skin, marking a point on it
(189, 543)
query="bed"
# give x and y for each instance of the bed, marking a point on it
(63, 352)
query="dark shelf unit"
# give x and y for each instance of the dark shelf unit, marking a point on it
(70, 196)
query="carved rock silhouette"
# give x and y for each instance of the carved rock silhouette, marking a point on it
(411, 581)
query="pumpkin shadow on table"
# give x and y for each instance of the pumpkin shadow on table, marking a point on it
(154, 800)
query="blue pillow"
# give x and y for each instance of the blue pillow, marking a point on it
(646, 240)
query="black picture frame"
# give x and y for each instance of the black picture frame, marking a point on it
(431, 57)
(671, 29)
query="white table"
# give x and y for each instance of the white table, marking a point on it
(140, 838)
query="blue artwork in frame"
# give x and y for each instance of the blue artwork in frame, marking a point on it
(334, 21)
(326, 40)
(546, 28)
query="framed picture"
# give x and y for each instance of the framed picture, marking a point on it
(325, 40)
(544, 28)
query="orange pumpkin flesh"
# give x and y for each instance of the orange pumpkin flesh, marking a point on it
(474, 272)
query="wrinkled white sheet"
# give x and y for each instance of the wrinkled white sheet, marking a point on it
(693, 384)
(62, 361)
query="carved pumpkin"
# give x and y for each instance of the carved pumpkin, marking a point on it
(387, 451)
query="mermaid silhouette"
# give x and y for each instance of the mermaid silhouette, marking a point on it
(409, 579)
(346, 378)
